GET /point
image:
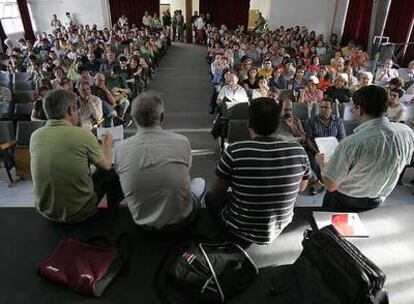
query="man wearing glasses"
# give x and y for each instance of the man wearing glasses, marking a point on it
(366, 165)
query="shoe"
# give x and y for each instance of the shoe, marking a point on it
(312, 190)
(319, 187)
(127, 123)
(118, 121)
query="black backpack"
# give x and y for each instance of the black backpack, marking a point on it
(329, 270)
(204, 273)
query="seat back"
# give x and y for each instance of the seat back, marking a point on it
(237, 130)
(20, 77)
(23, 109)
(238, 111)
(347, 112)
(408, 115)
(23, 86)
(23, 96)
(24, 132)
(6, 131)
(301, 111)
(5, 78)
(284, 94)
(350, 126)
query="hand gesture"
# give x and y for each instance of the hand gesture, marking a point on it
(320, 159)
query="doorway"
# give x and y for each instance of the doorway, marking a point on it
(164, 8)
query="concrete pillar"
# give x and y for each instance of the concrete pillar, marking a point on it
(380, 9)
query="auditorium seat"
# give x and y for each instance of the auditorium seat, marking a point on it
(283, 94)
(237, 130)
(347, 112)
(350, 126)
(408, 114)
(23, 96)
(23, 86)
(301, 111)
(5, 79)
(23, 110)
(7, 146)
(22, 155)
(17, 77)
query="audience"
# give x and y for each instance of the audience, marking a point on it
(366, 166)
(64, 188)
(290, 126)
(154, 168)
(395, 109)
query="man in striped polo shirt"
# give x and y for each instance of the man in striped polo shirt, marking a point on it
(265, 176)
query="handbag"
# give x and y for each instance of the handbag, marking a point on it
(329, 270)
(206, 273)
(82, 267)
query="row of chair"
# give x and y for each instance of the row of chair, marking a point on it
(14, 146)
(16, 81)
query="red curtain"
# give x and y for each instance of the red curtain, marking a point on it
(133, 9)
(229, 12)
(399, 20)
(357, 22)
(27, 22)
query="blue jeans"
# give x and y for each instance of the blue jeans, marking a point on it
(107, 110)
(341, 202)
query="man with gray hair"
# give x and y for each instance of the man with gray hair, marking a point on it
(153, 166)
(61, 153)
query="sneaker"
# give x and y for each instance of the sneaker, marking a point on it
(127, 123)
(118, 121)
(319, 187)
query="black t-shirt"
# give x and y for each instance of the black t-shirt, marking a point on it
(251, 86)
(38, 107)
(97, 91)
(342, 95)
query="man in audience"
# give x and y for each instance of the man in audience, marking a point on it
(118, 86)
(64, 188)
(290, 127)
(386, 73)
(109, 63)
(325, 124)
(90, 107)
(265, 176)
(232, 93)
(154, 168)
(366, 166)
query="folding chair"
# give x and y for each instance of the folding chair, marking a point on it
(350, 126)
(23, 96)
(7, 147)
(301, 111)
(17, 77)
(23, 110)
(22, 155)
(23, 86)
(408, 115)
(347, 112)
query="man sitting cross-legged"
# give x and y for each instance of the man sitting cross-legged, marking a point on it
(154, 168)
(265, 175)
(61, 154)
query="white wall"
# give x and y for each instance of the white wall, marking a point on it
(84, 11)
(261, 5)
(316, 15)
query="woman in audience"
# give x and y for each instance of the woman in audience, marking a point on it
(277, 81)
(263, 88)
(395, 109)
(59, 76)
(325, 79)
(385, 73)
(352, 80)
(365, 79)
(339, 91)
(38, 113)
(251, 83)
(311, 94)
(298, 82)
(314, 68)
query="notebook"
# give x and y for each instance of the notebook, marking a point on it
(347, 224)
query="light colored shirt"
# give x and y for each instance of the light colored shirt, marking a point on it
(146, 20)
(382, 77)
(199, 24)
(92, 109)
(369, 162)
(393, 113)
(60, 159)
(153, 167)
(233, 97)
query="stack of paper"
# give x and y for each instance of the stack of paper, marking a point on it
(347, 224)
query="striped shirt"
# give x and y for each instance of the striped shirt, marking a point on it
(316, 127)
(265, 175)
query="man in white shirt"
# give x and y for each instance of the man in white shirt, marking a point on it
(146, 19)
(385, 73)
(232, 93)
(199, 26)
(154, 167)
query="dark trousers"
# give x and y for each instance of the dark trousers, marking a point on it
(314, 165)
(341, 202)
(215, 207)
(107, 182)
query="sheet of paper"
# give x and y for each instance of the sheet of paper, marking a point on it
(327, 146)
(406, 99)
(347, 224)
(117, 133)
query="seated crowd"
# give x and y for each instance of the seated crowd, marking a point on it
(258, 180)
(295, 65)
(105, 68)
